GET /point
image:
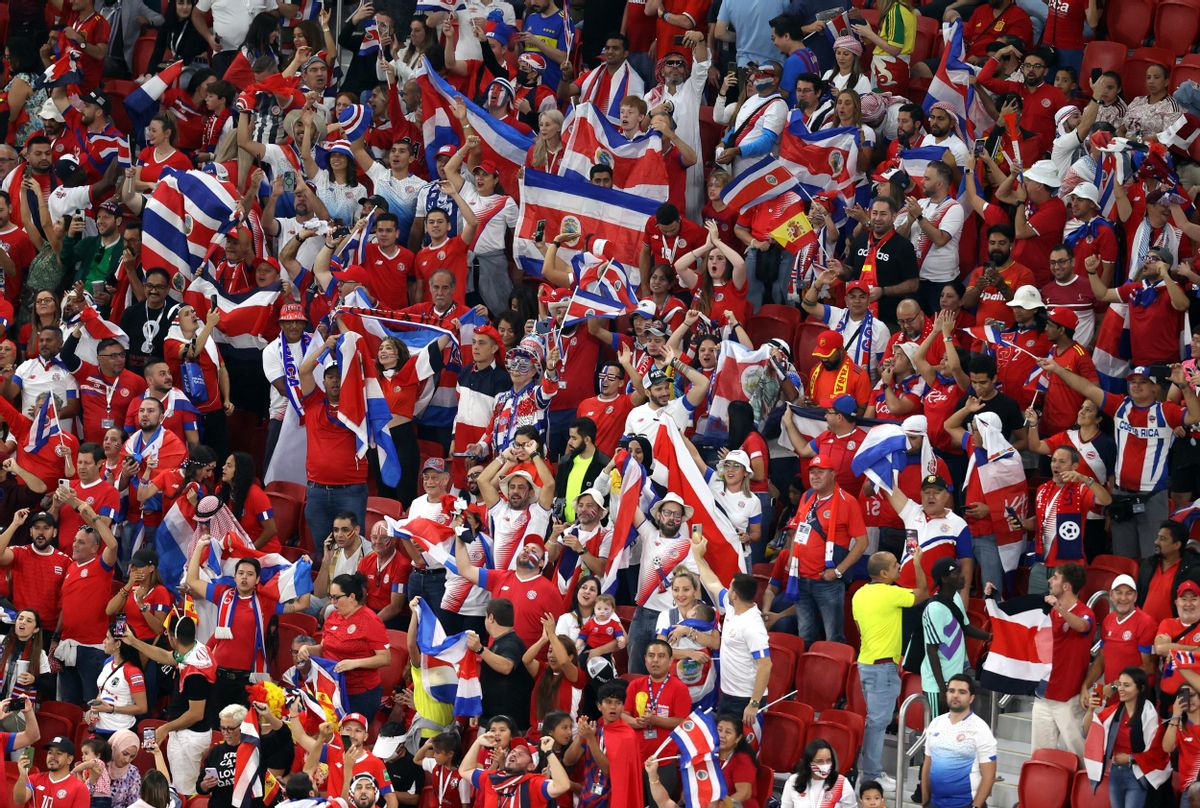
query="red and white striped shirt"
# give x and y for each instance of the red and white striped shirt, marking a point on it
(1144, 438)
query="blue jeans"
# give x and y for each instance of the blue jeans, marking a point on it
(1124, 790)
(987, 556)
(1037, 16)
(641, 632)
(77, 683)
(881, 688)
(325, 502)
(429, 586)
(819, 606)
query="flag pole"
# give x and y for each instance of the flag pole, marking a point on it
(781, 698)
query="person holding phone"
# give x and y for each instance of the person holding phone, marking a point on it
(93, 258)
(1181, 731)
(121, 687)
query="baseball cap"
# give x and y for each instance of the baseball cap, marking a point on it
(1139, 370)
(828, 342)
(65, 745)
(1123, 580)
(740, 457)
(1088, 191)
(645, 308)
(438, 464)
(44, 516)
(656, 328)
(858, 286)
(821, 462)
(376, 200)
(491, 333)
(943, 567)
(446, 151)
(111, 206)
(97, 98)
(487, 167)
(934, 481)
(292, 313)
(358, 717)
(1064, 317)
(1185, 587)
(845, 404)
(776, 342)
(145, 557)
(352, 274)
(1162, 254)
(656, 376)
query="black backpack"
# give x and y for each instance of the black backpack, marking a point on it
(912, 632)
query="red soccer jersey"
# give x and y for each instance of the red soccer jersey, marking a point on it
(667, 249)
(992, 304)
(1064, 24)
(1154, 324)
(609, 417)
(389, 274)
(984, 27)
(1124, 641)
(841, 450)
(103, 498)
(85, 587)
(1061, 404)
(1174, 628)
(334, 757)
(581, 355)
(256, 510)
(66, 792)
(530, 599)
(1102, 244)
(358, 636)
(105, 401)
(19, 248)
(669, 698)
(238, 652)
(1048, 220)
(941, 401)
(152, 168)
(158, 600)
(385, 580)
(817, 526)
(95, 31)
(450, 254)
(1015, 366)
(38, 580)
(1072, 653)
(331, 456)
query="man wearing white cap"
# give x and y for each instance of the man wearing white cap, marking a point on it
(1028, 335)
(1071, 128)
(1040, 218)
(62, 140)
(583, 545)
(1126, 640)
(522, 511)
(1095, 234)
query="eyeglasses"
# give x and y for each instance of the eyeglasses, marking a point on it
(607, 377)
(665, 514)
(1032, 66)
(118, 355)
(155, 287)
(230, 729)
(674, 64)
(908, 320)
(335, 598)
(1059, 262)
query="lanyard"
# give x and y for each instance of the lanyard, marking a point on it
(652, 702)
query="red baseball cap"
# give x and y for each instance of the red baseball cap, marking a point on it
(292, 312)
(1064, 317)
(1187, 586)
(491, 333)
(828, 342)
(355, 717)
(488, 167)
(355, 273)
(821, 462)
(859, 285)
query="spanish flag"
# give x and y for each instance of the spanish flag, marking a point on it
(794, 230)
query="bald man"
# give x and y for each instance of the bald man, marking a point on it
(914, 326)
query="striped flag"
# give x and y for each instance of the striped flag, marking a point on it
(703, 779)
(882, 455)
(449, 670)
(584, 306)
(323, 692)
(839, 26)
(625, 82)
(248, 770)
(572, 205)
(63, 72)
(45, 426)
(370, 42)
(249, 320)
(183, 218)
(500, 142)
(764, 180)
(623, 505)
(362, 408)
(1151, 767)
(821, 161)
(989, 334)
(285, 580)
(1106, 182)
(752, 731)
(173, 541)
(1004, 487)
(590, 138)
(674, 469)
(1112, 352)
(142, 104)
(435, 6)
(124, 155)
(355, 120)
(738, 369)
(95, 329)
(1022, 645)
(952, 80)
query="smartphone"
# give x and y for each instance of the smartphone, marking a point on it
(1184, 693)
(341, 231)
(28, 753)
(910, 542)
(147, 737)
(1096, 74)
(97, 287)
(18, 704)
(120, 624)
(678, 40)
(539, 232)
(289, 180)
(210, 772)
(541, 327)
(63, 482)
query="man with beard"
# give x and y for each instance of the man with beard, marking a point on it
(838, 443)
(759, 122)
(520, 515)
(533, 98)
(910, 125)
(1041, 99)
(1070, 290)
(659, 404)
(582, 547)
(868, 336)
(94, 132)
(149, 448)
(836, 375)
(943, 131)
(516, 784)
(807, 99)
(934, 224)
(94, 258)
(531, 593)
(887, 262)
(607, 84)
(55, 786)
(1174, 561)
(393, 180)
(90, 488)
(38, 159)
(609, 409)
(106, 388)
(681, 94)
(990, 288)
(581, 464)
(960, 760)
(46, 374)
(62, 140)
(148, 321)
(38, 568)
(1180, 633)
(1126, 640)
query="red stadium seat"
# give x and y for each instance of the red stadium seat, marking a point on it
(143, 49)
(781, 639)
(1059, 757)
(789, 314)
(914, 719)
(64, 709)
(839, 650)
(783, 673)
(117, 90)
(287, 516)
(852, 721)
(430, 448)
(397, 669)
(787, 734)
(762, 328)
(1185, 71)
(386, 505)
(197, 801)
(4, 32)
(928, 33)
(795, 708)
(1102, 54)
(1043, 785)
(1083, 794)
(803, 345)
(304, 622)
(1176, 24)
(838, 736)
(1118, 564)
(1129, 22)
(823, 680)
(764, 784)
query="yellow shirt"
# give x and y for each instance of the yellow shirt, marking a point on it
(427, 706)
(898, 28)
(877, 610)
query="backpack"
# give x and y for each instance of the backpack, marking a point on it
(912, 633)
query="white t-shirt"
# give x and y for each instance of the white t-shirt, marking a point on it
(941, 263)
(880, 334)
(272, 362)
(35, 378)
(231, 18)
(401, 194)
(1064, 151)
(641, 419)
(955, 751)
(491, 238)
(952, 142)
(65, 201)
(744, 641)
(511, 528)
(742, 509)
(657, 557)
(114, 685)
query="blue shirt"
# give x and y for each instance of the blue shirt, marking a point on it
(748, 19)
(955, 752)
(552, 31)
(799, 62)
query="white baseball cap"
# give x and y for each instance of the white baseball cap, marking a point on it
(1123, 580)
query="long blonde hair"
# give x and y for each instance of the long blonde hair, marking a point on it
(540, 152)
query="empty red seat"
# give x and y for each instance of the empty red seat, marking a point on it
(762, 328)
(1059, 757)
(287, 516)
(838, 736)
(1102, 54)
(914, 718)
(788, 737)
(386, 505)
(397, 669)
(852, 721)
(822, 680)
(795, 708)
(834, 649)
(1129, 22)
(792, 642)
(783, 673)
(1176, 24)
(855, 700)
(764, 783)
(1185, 71)
(143, 49)
(928, 32)
(789, 314)
(1043, 785)
(1082, 792)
